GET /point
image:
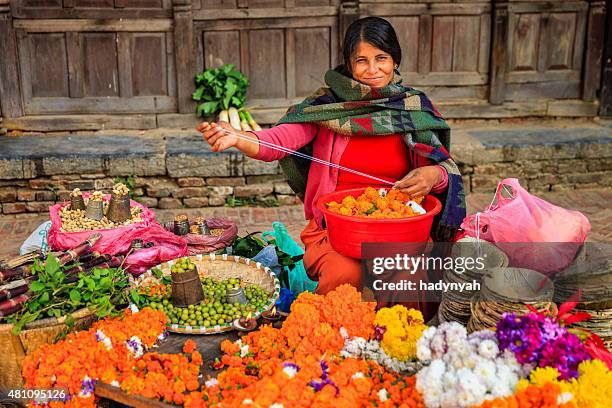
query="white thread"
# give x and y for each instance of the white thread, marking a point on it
(307, 157)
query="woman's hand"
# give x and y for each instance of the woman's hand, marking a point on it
(217, 137)
(420, 181)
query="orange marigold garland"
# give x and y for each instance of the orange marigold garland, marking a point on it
(112, 351)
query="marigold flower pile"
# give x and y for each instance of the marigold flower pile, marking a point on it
(375, 204)
(112, 352)
(299, 365)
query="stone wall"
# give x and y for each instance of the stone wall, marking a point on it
(180, 172)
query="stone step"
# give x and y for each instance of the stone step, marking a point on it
(172, 168)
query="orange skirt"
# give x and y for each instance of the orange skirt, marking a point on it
(331, 269)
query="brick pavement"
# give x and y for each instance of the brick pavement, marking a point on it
(595, 204)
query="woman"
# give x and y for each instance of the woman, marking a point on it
(368, 121)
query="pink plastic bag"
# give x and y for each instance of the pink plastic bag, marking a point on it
(166, 246)
(117, 241)
(534, 233)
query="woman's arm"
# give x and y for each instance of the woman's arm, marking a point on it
(222, 136)
(290, 136)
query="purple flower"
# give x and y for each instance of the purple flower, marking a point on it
(318, 385)
(521, 335)
(379, 332)
(324, 369)
(99, 335)
(87, 386)
(565, 354)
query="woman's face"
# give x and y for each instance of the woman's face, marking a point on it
(372, 66)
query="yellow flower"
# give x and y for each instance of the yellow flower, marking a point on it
(403, 328)
(543, 375)
(593, 388)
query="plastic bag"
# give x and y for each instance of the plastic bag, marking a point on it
(37, 241)
(298, 280)
(267, 257)
(166, 246)
(200, 244)
(534, 233)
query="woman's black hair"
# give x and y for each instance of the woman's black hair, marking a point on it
(373, 30)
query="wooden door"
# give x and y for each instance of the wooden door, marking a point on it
(80, 66)
(445, 47)
(545, 48)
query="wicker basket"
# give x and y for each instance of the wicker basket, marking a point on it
(33, 335)
(221, 267)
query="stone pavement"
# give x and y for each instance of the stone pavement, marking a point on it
(595, 204)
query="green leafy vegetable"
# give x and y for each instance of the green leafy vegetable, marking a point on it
(55, 294)
(219, 88)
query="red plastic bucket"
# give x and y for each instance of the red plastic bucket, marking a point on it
(346, 234)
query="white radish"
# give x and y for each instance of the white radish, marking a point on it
(223, 116)
(234, 118)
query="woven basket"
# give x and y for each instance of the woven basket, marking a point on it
(33, 335)
(221, 267)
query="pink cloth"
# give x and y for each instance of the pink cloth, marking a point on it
(327, 145)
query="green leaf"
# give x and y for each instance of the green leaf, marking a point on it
(197, 95)
(237, 102)
(75, 296)
(91, 285)
(105, 283)
(44, 298)
(37, 286)
(51, 265)
(33, 305)
(228, 68)
(135, 296)
(157, 272)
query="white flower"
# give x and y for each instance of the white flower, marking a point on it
(438, 346)
(423, 352)
(134, 344)
(344, 333)
(485, 371)
(432, 396)
(501, 389)
(244, 350)
(488, 349)
(101, 337)
(115, 383)
(383, 395)
(470, 384)
(449, 380)
(382, 192)
(211, 383)
(564, 398)
(465, 399)
(247, 401)
(277, 405)
(290, 370)
(357, 375)
(134, 308)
